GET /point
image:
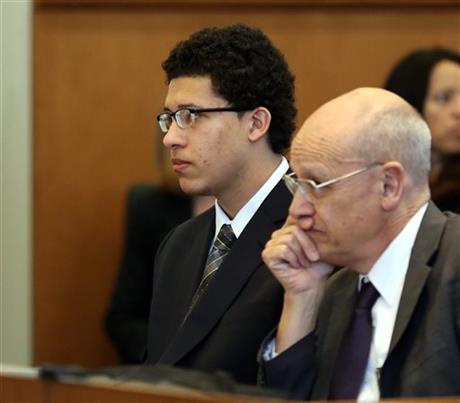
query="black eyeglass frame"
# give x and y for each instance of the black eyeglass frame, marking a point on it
(194, 112)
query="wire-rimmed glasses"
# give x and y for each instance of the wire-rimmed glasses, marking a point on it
(307, 186)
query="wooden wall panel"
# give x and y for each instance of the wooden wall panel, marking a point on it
(98, 86)
(246, 3)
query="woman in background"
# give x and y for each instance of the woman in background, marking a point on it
(429, 79)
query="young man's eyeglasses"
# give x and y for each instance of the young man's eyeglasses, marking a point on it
(185, 117)
(309, 186)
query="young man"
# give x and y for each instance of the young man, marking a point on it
(362, 201)
(229, 113)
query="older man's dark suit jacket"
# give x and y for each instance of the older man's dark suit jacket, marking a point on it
(424, 354)
(242, 304)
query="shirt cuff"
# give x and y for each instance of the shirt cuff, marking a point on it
(269, 351)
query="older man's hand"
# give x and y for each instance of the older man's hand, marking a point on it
(294, 260)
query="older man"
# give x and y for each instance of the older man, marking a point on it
(389, 323)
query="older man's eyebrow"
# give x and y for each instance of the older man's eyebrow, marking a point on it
(315, 173)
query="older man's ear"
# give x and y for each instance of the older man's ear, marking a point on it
(393, 184)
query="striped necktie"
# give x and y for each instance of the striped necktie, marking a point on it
(219, 250)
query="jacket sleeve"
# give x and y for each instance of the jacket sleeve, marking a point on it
(292, 371)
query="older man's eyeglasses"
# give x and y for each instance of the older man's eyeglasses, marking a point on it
(185, 117)
(309, 186)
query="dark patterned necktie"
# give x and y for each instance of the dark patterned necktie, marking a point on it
(219, 250)
(354, 351)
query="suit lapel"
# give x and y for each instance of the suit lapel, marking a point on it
(426, 244)
(233, 274)
(178, 286)
(193, 259)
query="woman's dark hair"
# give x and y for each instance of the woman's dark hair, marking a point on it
(410, 77)
(246, 69)
(445, 191)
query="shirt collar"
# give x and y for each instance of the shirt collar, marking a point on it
(393, 263)
(248, 210)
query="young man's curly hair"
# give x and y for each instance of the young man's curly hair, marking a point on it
(246, 69)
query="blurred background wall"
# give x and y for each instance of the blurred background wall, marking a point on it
(97, 87)
(15, 182)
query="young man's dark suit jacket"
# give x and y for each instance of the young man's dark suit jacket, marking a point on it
(151, 212)
(242, 304)
(424, 355)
